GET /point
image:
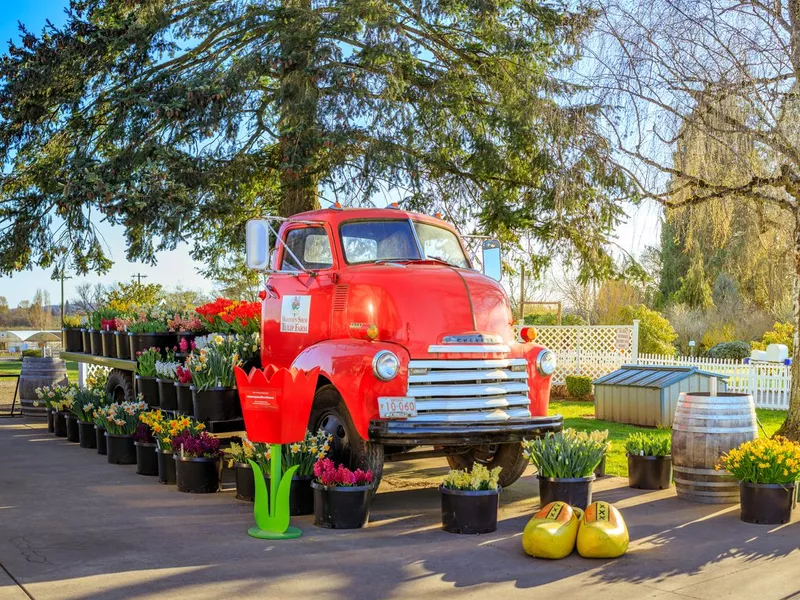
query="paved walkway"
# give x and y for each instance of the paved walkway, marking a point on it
(73, 526)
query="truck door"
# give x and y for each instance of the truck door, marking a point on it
(297, 307)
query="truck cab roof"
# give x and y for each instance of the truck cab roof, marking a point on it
(334, 216)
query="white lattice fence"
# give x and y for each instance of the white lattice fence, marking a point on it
(86, 370)
(592, 350)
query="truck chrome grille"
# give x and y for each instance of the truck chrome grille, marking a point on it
(469, 390)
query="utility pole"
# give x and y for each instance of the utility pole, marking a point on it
(139, 277)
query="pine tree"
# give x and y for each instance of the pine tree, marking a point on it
(181, 120)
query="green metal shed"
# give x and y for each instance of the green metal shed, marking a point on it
(648, 395)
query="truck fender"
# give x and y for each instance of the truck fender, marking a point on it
(538, 385)
(347, 364)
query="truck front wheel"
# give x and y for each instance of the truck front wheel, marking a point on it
(330, 414)
(509, 457)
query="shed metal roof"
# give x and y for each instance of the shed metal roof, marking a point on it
(651, 376)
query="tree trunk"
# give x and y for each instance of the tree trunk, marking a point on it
(299, 96)
(791, 427)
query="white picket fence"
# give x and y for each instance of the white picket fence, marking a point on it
(600, 349)
(769, 383)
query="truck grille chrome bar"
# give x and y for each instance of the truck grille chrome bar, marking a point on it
(483, 390)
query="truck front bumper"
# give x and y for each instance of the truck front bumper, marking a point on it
(446, 433)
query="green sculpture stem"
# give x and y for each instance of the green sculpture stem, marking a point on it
(272, 512)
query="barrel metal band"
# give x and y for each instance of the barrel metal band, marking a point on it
(715, 417)
(712, 484)
(751, 429)
(698, 471)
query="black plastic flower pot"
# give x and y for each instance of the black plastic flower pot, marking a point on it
(166, 467)
(341, 507)
(73, 435)
(301, 496)
(109, 344)
(148, 387)
(600, 469)
(245, 483)
(72, 339)
(183, 395)
(469, 512)
(650, 472)
(197, 475)
(100, 439)
(123, 344)
(96, 339)
(120, 449)
(133, 345)
(50, 420)
(146, 458)
(767, 503)
(87, 341)
(86, 436)
(167, 394)
(60, 424)
(574, 491)
(216, 404)
(162, 340)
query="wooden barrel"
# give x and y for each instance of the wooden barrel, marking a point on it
(36, 373)
(705, 427)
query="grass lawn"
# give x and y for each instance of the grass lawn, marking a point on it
(580, 415)
(12, 367)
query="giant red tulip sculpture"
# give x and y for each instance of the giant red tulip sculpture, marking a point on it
(276, 404)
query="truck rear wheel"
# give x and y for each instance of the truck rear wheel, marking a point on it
(330, 414)
(509, 457)
(119, 385)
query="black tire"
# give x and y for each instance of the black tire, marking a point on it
(120, 386)
(330, 414)
(510, 457)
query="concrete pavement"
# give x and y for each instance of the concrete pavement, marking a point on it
(73, 526)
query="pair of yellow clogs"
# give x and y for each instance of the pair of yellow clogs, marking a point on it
(554, 531)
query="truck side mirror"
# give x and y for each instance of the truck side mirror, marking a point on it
(257, 244)
(492, 261)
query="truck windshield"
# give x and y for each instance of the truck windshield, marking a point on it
(387, 240)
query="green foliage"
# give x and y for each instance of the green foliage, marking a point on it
(552, 319)
(146, 362)
(181, 120)
(782, 333)
(655, 332)
(72, 322)
(730, 350)
(579, 386)
(648, 444)
(695, 290)
(85, 402)
(567, 454)
(32, 353)
(129, 297)
(148, 326)
(475, 479)
(612, 298)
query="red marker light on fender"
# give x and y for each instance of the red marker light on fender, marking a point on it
(528, 334)
(262, 294)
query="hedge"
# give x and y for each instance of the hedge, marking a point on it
(579, 386)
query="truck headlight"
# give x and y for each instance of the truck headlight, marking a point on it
(385, 365)
(546, 363)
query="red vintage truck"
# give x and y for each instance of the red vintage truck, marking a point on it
(415, 347)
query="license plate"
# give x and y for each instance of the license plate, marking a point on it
(397, 407)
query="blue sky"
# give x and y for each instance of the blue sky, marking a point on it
(177, 267)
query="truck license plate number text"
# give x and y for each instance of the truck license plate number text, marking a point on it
(397, 407)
